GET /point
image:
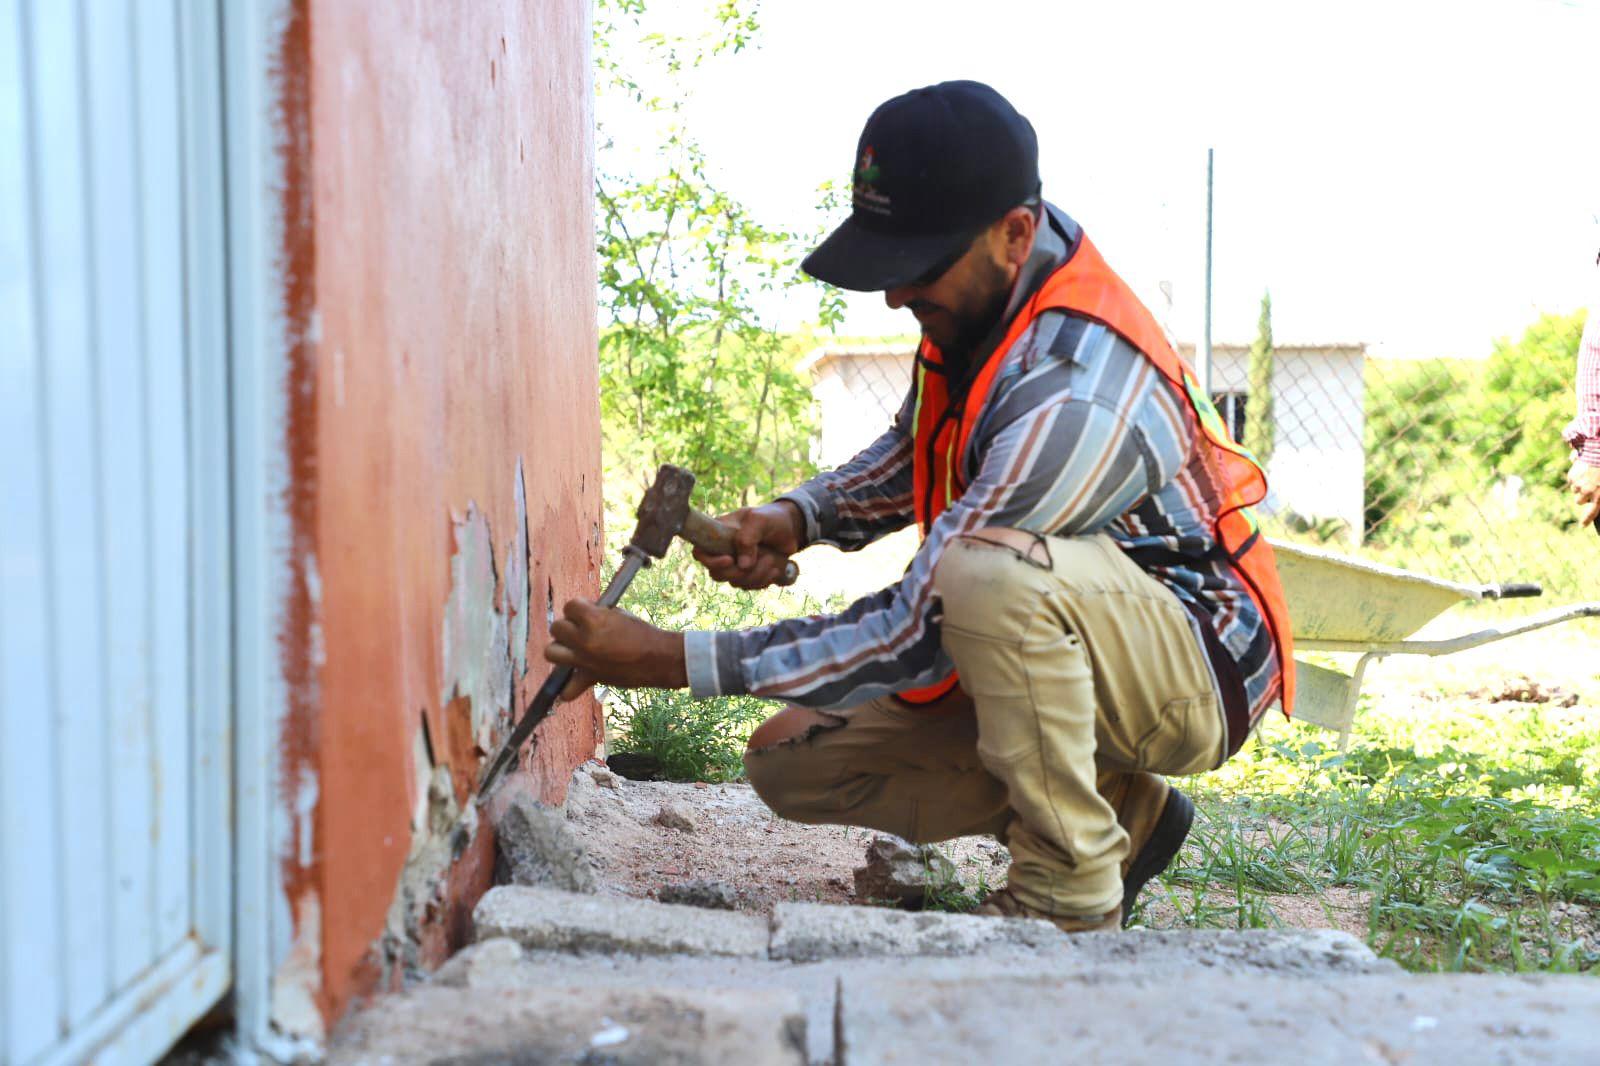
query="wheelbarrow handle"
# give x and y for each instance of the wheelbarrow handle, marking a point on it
(1513, 590)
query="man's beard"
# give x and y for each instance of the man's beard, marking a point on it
(972, 327)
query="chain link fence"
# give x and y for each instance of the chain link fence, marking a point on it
(1431, 465)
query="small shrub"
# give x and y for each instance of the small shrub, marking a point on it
(694, 739)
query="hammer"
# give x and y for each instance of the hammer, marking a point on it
(663, 513)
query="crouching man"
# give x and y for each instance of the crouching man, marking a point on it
(1091, 608)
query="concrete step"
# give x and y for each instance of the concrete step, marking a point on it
(1024, 1020)
(617, 1027)
(549, 920)
(849, 985)
(1192, 957)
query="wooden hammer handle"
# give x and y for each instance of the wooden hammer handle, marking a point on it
(709, 535)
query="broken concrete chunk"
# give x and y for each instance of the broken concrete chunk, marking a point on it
(484, 965)
(538, 848)
(700, 893)
(901, 872)
(1284, 952)
(614, 1026)
(441, 840)
(806, 932)
(604, 778)
(542, 919)
(580, 792)
(671, 816)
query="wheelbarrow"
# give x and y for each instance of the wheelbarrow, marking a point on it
(1346, 605)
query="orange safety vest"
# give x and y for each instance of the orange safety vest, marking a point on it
(1085, 285)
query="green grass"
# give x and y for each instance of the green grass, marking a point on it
(1467, 835)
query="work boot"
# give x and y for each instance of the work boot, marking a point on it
(1002, 904)
(1156, 818)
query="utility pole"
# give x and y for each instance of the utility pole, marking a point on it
(1203, 370)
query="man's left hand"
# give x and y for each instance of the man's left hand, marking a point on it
(614, 648)
(1584, 479)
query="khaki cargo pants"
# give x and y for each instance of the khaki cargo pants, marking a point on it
(1077, 669)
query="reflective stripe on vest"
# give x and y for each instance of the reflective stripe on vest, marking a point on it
(1085, 285)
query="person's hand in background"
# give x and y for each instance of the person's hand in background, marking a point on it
(1584, 480)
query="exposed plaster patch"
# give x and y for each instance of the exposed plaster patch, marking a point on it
(298, 981)
(446, 831)
(313, 579)
(516, 590)
(305, 809)
(422, 773)
(477, 659)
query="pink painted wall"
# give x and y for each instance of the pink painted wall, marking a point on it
(438, 272)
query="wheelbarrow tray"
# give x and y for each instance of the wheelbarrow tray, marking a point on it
(1349, 605)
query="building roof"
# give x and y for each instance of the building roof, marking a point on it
(817, 356)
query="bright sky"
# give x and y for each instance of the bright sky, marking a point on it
(1422, 175)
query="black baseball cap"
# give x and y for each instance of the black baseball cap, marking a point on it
(933, 168)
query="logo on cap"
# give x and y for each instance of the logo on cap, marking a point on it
(866, 197)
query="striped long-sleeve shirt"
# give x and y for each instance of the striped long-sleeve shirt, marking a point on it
(1081, 435)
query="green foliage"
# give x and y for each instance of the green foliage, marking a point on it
(1527, 398)
(1443, 437)
(695, 739)
(691, 369)
(1258, 427)
(1468, 834)
(1418, 435)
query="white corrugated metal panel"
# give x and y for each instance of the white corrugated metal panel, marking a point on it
(111, 293)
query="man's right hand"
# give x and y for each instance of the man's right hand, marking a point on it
(1584, 480)
(778, 526)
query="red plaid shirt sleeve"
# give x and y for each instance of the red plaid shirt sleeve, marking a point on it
(1583, 432)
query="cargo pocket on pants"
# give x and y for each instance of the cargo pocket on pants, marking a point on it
(1008, 730)
(1164, 748)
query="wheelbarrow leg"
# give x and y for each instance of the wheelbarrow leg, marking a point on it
(1352, 694)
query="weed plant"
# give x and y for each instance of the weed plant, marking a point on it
(1468, 833)
(694, 739)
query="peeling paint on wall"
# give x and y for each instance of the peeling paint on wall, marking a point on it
(448, 830)
(422, 763)
(517, 580)
(477, 656)
(305, 809)
(420, 327)
(296, 997)
(297, 982)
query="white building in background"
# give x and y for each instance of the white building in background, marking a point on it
(1318, 391)
(858, 391)
(1317, 469)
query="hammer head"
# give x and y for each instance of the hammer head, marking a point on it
(663, 510)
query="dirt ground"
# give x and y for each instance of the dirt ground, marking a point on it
(736, 840)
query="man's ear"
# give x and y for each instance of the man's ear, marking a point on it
(1017, 228)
